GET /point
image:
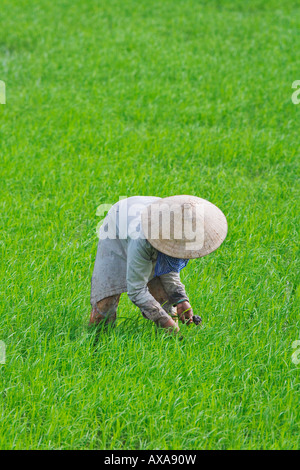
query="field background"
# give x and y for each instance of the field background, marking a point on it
(149, 97)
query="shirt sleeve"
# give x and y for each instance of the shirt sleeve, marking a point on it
(139, 270)
(173, 287)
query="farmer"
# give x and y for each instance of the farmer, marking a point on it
(144, 243)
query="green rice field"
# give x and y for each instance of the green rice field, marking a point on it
(119, 98)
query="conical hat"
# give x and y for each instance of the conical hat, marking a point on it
(184, 226)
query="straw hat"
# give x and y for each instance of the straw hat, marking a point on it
(184, 226)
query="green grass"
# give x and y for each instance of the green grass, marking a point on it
(121, 98)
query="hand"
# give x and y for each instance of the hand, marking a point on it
(185, 312)
(171, 326)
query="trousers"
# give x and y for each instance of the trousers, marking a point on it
(106, 309)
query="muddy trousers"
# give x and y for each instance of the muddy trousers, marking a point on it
(106, 309)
